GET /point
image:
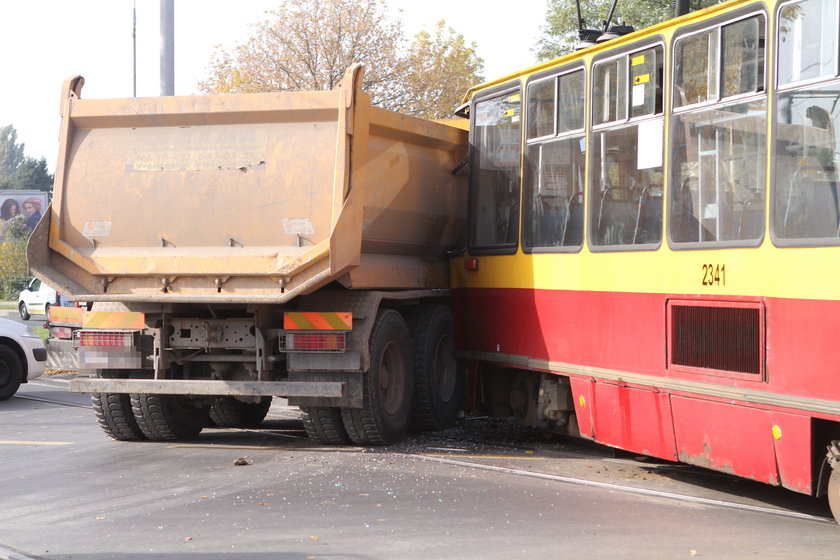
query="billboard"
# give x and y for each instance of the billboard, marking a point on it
(30, 204)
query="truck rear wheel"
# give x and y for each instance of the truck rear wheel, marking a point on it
(113, 411)
(387, 386)
(230, 412)
(438, 380)
(325, 425)
(168, 417)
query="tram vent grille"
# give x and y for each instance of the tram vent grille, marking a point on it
(717, 338)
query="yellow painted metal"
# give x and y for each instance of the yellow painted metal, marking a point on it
(248, 198)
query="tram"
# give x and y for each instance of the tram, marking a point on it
(653, 248)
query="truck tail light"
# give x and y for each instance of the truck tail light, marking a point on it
(61, 332)
(314, 342)
(124, 339)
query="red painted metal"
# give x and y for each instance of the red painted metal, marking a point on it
(628, 332)
(634, 419)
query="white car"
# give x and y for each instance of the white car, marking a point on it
(22, 356)
(36, 299)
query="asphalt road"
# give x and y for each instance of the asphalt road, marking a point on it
(482, 490)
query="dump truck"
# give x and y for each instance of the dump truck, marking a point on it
(241, 247)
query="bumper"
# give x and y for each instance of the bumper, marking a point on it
(36, 357)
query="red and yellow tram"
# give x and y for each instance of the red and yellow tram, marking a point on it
(653, 254)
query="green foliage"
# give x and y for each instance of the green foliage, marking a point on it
(16, 229)
(18, 171)
(11, 153)
(14, 267)
(560, 32)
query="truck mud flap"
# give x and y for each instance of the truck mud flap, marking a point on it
(61, 354)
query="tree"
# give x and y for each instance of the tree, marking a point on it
(11, 153)
(442, 68)
(308, 45)
(18, 171)
(560, 32)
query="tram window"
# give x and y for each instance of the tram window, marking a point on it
(553, 194)
(718, 174)
(541, 96)
(609, 101)
(494, 221)
(695, 67)
(572, 99)
(626, 202)
(743, 57)
(645, 82)
(805, 200)
(807, 40)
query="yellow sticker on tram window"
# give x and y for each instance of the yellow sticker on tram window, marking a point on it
(643, 79)
(636, 60)
(514, 98)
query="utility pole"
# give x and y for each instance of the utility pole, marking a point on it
(134, 45)
(167, 47)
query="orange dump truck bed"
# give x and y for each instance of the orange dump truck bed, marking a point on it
(248, 198)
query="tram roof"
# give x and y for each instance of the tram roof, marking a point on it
(611, 44)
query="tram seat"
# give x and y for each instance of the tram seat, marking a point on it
(811, 208)
(649, 216)
(573, 232)
(751, 220)
(685, 228)
(616, 217)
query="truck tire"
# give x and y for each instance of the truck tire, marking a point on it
(113, 411)
(438, 379)
(387, 387)
(168, 417)
(230, 412)
(11, 372)
(325, 425)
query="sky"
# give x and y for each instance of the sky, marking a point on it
(43, 42)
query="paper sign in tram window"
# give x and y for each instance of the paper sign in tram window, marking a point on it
(650, 144)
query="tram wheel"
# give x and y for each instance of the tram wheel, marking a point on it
(230, 412)
(387, 386)
(834, 494)
(168, 417)
(438, 380)
(325, 425)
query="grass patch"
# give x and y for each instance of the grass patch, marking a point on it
(8, 305)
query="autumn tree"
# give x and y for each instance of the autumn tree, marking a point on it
(440, 68)
(560, 32)
(308, 45)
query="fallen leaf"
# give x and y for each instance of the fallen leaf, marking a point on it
(242, 461)
(187, 538)
(314, 538)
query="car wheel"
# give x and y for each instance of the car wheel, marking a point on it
(24, 312)
(11, 372)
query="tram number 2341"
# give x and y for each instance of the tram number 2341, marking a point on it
(714, 275)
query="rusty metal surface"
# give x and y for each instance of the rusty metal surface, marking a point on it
(248, 198)
(200, 387)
